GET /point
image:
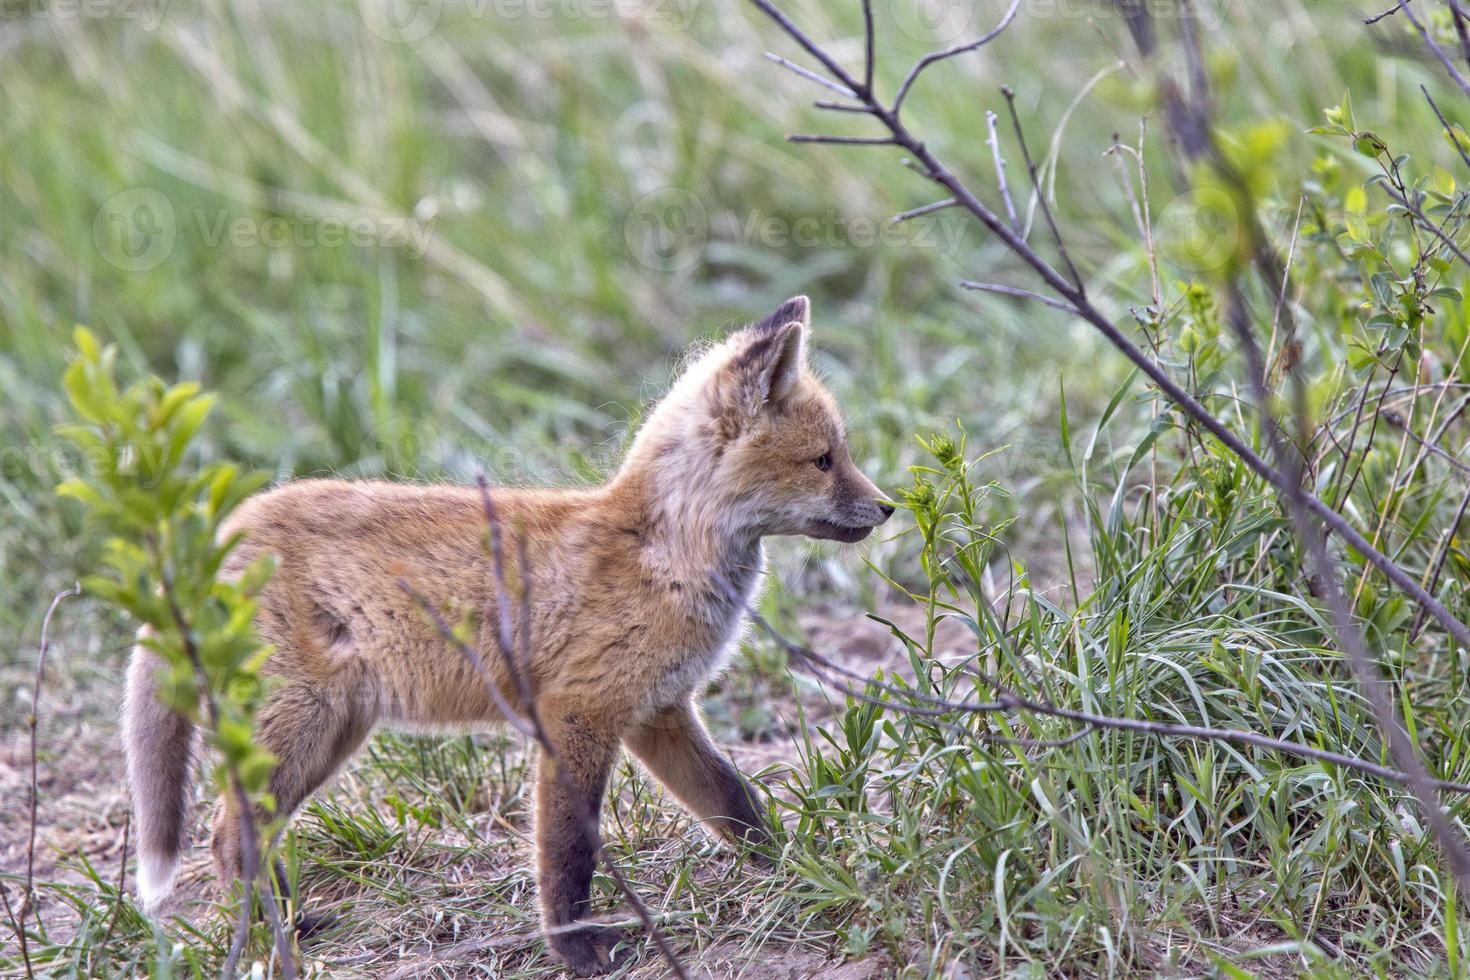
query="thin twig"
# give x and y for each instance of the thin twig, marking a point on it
(1379, 16)
(1439, 52)
(941, 175)
(948, 202)
(809, 75)
(250, 845)
(1442, 553)
(122, 882)
(1449, 130)
(1016, 291)
(28, 897)
(869, 62)
(1429, 445)
(1009, 701)
(1051, 221)
(528, 719)
(1000, 170)
(841, 140)
(935, 57)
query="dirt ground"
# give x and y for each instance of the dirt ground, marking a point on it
(83, 811)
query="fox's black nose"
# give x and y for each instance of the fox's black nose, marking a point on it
(887, 510)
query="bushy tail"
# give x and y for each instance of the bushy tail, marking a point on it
(160, 748)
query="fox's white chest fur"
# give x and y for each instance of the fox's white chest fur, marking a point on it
(716, 609)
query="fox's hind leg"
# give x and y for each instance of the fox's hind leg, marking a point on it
(311, 731)
(676, 749)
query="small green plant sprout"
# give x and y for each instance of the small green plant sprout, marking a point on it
(161, 512)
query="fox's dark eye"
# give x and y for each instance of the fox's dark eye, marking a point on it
(824, 462)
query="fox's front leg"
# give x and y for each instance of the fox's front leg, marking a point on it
(677, 750)
(567, 807)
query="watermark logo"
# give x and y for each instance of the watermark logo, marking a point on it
(942, 22)
(667, 230)
(670, 229)
(146, 13)
(401, 21)
(135, 230)
(407, 21)
(1200, 229)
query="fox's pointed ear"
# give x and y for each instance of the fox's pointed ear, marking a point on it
(769, 365)
(797, 309)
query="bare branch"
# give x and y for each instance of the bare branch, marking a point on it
(854, 88)
(1009, 701)
(1000, 171)
(810, 75)
(965, 198)
(1051, 221)
(1449, 130)
(28, 896)
(528, 719)
(1379, 16)
(948, 202)
(841, 140)
(1439, 52)
(869, 62)
(934, 57)
(1016, 291)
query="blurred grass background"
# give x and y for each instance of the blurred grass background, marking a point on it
(418, 239)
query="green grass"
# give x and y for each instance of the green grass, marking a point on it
(464, 279)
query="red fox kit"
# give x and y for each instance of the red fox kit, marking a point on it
(639, 591)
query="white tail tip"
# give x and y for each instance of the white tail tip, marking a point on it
(156, 879)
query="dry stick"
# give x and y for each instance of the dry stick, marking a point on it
(1402, 747)
(528, 719)
(1000, 170)
(1442, 553)
(1427, 445)
(1450, 130)
(28, 897)
(936, 56)
(869, 61)
(587, 809)
(823, 668)
(1458, 15)
(1379, 16)
(1016, 291)
(948, 202)
(250, 864)
(1438, 51)
(122, 882)
(1084, 308)
(1051, 221)
(532, 729)
(1304, 503)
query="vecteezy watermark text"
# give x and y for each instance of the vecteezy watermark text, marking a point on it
(670, 229)
(136, 230)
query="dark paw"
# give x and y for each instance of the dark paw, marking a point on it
(309, 924)
(588, 951)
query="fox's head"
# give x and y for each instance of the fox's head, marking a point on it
(749, 443)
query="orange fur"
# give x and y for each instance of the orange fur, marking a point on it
(637, 590)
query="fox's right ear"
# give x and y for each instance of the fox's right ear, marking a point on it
(767, 360)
